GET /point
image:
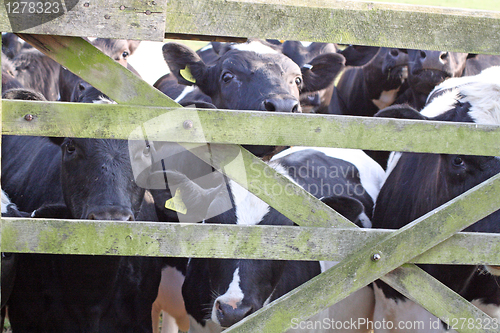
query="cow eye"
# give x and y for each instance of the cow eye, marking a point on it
(146, 150)
(298, 80)
(125, 54)
(70, 147)
(458, 161)
(227, 76)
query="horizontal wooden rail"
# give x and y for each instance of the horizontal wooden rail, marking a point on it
(122, 19)
(224, 241)
(338, 21)
(248, 127)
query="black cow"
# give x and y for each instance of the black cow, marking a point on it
(9, 209)
(359, 55)
(83, 179)
(220, 292)
(36, 71)
(12, 45)
(426, 70)
(417, 183)
(364, 90)
(9, 80)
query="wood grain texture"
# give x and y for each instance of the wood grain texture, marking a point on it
(120, 19)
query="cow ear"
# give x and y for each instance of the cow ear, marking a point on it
(348, 207)
(322, 71)
(133, 45)
(185, 64)
(216, 47)
(400, 112)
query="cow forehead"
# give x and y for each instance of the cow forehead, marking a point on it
(244, 61)
(255, 46)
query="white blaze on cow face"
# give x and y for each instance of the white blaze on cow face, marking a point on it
(233, 296)
(185, 92)
(481, 91)
(5, 202)
(255, 46)
(250, 210)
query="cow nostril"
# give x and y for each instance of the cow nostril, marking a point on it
(295, 108)
(423, 54)
(443, 55)
(394, 52)
(269, 106)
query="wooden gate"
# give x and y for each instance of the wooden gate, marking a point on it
(323, 234)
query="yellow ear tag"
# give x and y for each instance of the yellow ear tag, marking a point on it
(176, 203)
(186, 74)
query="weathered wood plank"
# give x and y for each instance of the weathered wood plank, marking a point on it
(348, 22)
(417, 285)
(121, 19)
(359, 269)
(245, 127)
(89, 63)
(223, 241)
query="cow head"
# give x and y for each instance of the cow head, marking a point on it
(118, 49)
(224, 291)
(96, 175)
(429, 68)
(302, 55)
(252, 76)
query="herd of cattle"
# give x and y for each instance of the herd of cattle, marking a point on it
(76, 178)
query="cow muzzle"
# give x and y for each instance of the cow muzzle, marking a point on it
(228, 314)
(114, 213)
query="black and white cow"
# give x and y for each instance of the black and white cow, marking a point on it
(417, 183)
(83, 179)
(220, 292)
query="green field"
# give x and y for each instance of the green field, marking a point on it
(467, 4)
